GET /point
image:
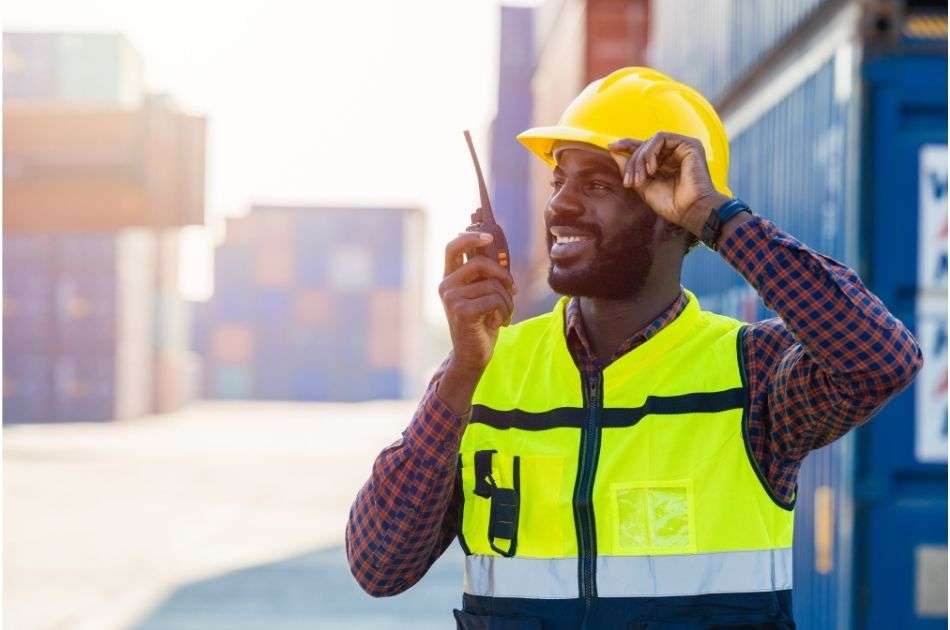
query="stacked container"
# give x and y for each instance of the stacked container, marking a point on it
(78, 68)
(837, 114)
(316, 304)
(97, 181)
(510, 163)
(77, 319)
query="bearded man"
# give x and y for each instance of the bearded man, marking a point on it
(628, 460)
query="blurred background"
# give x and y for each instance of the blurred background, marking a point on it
(223, 232)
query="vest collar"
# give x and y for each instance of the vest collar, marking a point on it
(687, 322)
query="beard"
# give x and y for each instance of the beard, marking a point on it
(620, 266)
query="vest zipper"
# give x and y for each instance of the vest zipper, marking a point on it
(584, 491)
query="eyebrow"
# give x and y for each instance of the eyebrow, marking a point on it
(600, 169)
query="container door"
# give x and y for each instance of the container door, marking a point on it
(901, 486)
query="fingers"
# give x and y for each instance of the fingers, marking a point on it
(478, 267)
(485, 305)
(621, 151)
(470, 296)
(464, 243)
(652, 156)
(480, 288)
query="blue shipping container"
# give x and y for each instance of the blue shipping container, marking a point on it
(871, 530)
(727, 38)
(509, 164)
(901, 457)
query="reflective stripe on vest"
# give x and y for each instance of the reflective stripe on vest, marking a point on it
(632, 576)
(639, 485)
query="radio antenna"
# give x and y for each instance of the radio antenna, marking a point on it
(488, 216)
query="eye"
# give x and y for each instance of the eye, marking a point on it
(599, 185)
(556, 184)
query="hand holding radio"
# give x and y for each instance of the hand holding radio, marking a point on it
(478, 297)
(477, 290)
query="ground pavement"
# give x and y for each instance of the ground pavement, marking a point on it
(226, 515)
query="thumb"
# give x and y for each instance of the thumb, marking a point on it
(621, 159)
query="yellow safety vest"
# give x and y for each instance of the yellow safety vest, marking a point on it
(637, 482)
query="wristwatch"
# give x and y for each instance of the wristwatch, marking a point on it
(718, 218)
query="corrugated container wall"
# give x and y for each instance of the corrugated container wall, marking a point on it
(77, 323)
(316, 304)
(841, 141)
(711, 44)
(71, 68)
(510, 163)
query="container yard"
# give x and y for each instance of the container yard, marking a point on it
(208, 340)
(315, 304)
(99, 178)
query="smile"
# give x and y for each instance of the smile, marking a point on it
(569, 239)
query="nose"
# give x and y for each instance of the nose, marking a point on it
(563, 202)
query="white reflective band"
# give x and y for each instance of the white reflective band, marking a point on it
(632, 576)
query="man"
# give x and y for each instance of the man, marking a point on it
(628, 460)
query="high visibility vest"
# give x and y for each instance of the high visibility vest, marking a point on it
(634, 485)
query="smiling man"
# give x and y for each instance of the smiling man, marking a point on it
(628, 460)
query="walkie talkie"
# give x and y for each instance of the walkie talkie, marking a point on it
(483, 220)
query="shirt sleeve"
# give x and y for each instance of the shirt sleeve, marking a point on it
(406, 514)
(830, 361)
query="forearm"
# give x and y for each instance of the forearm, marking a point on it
(851, 353)
(406, 514)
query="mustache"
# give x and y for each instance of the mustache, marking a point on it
(593, 230)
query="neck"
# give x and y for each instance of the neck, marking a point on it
(609, 322)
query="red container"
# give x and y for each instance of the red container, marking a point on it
(312, 308)
(385, 326)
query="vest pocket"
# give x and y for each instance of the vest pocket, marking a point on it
(504, 503)
(512, 504)
(654, 517)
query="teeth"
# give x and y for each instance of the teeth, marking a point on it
(570, 239)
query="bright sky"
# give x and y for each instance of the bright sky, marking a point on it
(318, 102)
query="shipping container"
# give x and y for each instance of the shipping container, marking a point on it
(77, 322)
(509, 164)
(713, 63)
(837, 115)
(97, 168)
(316, 304)
(77, 68)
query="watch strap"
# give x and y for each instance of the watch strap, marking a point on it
(718, 218)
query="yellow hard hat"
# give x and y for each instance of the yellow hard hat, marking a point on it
(637, 103)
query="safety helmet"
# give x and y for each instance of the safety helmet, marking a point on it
(637, 103)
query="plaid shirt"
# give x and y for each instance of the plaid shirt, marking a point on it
(832, 359)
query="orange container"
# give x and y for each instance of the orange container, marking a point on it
(90, 168)
(232, 343)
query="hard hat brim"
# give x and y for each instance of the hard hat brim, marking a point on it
(540, 140)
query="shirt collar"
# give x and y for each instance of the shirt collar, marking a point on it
(576, 332)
